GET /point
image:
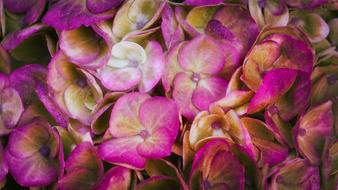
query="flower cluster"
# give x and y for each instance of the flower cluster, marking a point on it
(164, 94)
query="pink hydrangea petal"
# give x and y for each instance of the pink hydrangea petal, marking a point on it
(123, 151)
(16, 6)
(296, 99)
(182, 94)
(154, 120)
(99, 6)
(38, 170)
(68, 15)
(180, 14)
(313, 129)
(153, 68)
(124, 119)
(11, 106)
(226, 161)
(120, 79)
(157, 145)
(15, 38)
(84, 155)
(115, 179)
(35, 12)
(81, 45)
(24, 79)
(275, 83)
(208, 91)
(172, 67)
(202, 55)
(172, 32)
(51, 106)
(24, 153)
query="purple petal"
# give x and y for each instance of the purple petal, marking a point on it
(19, 6)
(68, 15)
(208, 91)
(183, 90)
(153, 68)
(201, 55)
(275, 84)
(99, 6)
(171, 30)
(115, 179)
(123, 79)
(24, 80)
(122, 151)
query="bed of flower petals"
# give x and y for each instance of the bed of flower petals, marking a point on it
(169, 95)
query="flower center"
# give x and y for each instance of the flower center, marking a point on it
(144, 134)
(195, 77)
(301, 132)
(81, 82)
(331, 80)
(44, 151)
(216, 125)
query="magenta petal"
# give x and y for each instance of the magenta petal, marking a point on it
(12, 40)
(36, 149)
(275, 83)
(67, 15)
(120, 79)
(124, 119)
(182, 94)
(203, 2)
(153, 69)
(18, 6)
(157, 145)
(168, 117)
(122, 151)
(24, 80)
(38, 172)
(116, 178)
(49, 103)
(35, 12)
(172, 32)
(202, 55)
(208, 91)
(296, 99)
(99, 6)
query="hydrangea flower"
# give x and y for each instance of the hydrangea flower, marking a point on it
(131, 66)
(195, 76)
(36, 149)
(139, 131)
(220, 124)
(75, 90)
(11, 106)
(273, 70)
